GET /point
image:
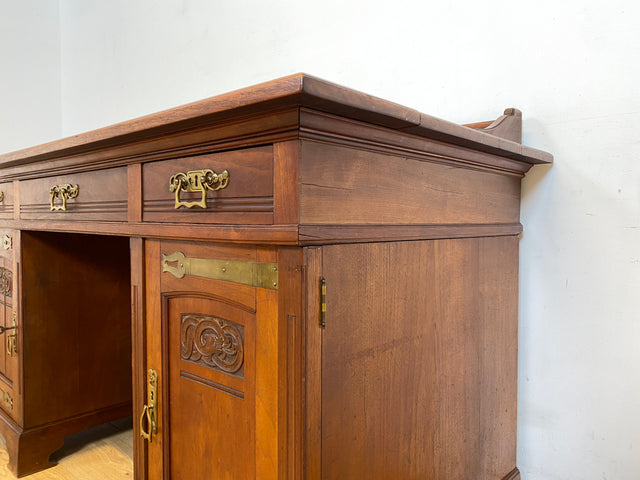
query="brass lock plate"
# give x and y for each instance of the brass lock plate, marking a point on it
(148, 419)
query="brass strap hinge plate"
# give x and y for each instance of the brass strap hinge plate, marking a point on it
(255, 274)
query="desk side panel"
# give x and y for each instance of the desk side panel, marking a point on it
(419, 360)
(354, 186)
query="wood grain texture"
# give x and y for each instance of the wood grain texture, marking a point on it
(514, 475)
(134, 187)
(333, 234)
(418, 360)
(413, 221)
(155, 342)
(321, 126)
(138, 352)
(359, 187)
(270, 413)
(102, 196)
(293, 91)
(508, 125)
(247, 199)
(242, 234)
(89, 314)
(291, 349)
(6, 205)
(10, 296)
(285, 184)
(101, 452)
(312, 446)
(73, 362)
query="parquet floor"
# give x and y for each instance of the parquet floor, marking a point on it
(102, 453)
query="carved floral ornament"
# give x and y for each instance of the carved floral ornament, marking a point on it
(212, 342)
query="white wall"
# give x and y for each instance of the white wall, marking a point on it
(572, 67)
(30, 108)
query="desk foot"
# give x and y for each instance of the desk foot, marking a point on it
(29, 450)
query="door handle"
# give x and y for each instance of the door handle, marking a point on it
(148, 419)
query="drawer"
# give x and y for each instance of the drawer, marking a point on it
(246, 196)
(6, 200)
(100, 195)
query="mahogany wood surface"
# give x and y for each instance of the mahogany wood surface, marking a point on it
(295, 90)
(7, 202)
(76, 310)
(74, 342)
(10, 379)
(514, 475)
(370, 188)
(412, 221)
(102, 195)
(418, 360)
(508, 126)
(247, 199)
(138, 352)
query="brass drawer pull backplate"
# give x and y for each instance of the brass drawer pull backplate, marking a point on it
(197, 181)
(62, 192)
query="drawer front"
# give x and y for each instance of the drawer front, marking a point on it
(6, 201)
(174, 190)
(99, 195)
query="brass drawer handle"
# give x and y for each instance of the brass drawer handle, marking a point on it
(62, 192)
(197, 181)
(1, 196)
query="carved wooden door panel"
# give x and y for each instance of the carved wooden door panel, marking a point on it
(202, 350)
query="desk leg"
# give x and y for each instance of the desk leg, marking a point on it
(29, 450)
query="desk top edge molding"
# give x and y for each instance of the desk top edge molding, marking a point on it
(295, 91)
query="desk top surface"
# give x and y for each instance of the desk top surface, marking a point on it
(299, 90)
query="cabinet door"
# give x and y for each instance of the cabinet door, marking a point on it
(212, 346)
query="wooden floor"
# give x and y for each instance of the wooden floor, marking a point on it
(102, 453)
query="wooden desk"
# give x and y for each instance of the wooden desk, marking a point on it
(310, 282)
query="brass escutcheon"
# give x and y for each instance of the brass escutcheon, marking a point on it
(197, 181)
(12, 338)
(62, 192)
(7, 242)
(148, 417)
(6, 399)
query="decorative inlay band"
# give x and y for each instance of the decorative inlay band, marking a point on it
(212, 342)
(6, 282)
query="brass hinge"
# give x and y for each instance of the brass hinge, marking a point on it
(323, 302)
(255, 274)
(6, 399)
